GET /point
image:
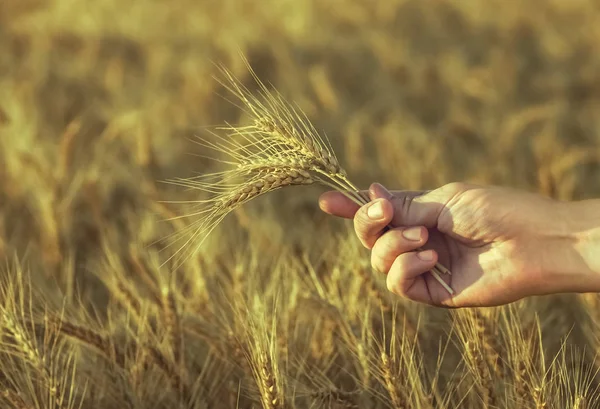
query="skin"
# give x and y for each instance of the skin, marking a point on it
(501, 244)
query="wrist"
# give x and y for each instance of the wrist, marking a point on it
(577, 269)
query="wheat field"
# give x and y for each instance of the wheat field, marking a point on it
(100, 103)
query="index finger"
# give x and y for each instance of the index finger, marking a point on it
(337, 204)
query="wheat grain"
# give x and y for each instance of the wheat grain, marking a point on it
(473, 329)
(268, 384)
(390, 381)
(272, 179)
(22, 341)
(27, 348)
(481, 373)
(485, 333)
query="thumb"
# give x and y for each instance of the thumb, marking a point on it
(418, 208)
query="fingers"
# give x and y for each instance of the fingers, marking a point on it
(410, 277)
(371, 219)
(336, 204)
(404, 277)
(413, 208)
(378, 191)
(394, 243)
(424, 209)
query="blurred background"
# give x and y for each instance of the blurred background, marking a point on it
(98, 100)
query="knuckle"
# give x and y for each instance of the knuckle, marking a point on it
(363, 228)
(402, 206)
(391, 241)
(455, 187)
(360, 221)
(385, 250)
(364, 238)
(400, 262)
(376, 262)
(380, 260)
(391, 285)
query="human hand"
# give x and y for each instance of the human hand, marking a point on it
(500, 244)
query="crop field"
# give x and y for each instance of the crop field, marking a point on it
(101, 104)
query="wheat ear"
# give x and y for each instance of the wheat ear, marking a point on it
(391, 381)
(91, 339)
(280, 148)
(172, 324)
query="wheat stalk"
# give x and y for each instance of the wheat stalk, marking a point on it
(280, 148)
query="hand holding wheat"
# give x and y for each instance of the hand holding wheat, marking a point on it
(502, 244)
(281, 148)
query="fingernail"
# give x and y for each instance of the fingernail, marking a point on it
(426, 255)
(375, 211)
(377, 190)
(413, 233)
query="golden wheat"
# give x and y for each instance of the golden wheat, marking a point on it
(391, 381)
(172, 324)
(91, 339)
(282, 148)
(480, 356)
(93, 99)
(14, 400)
